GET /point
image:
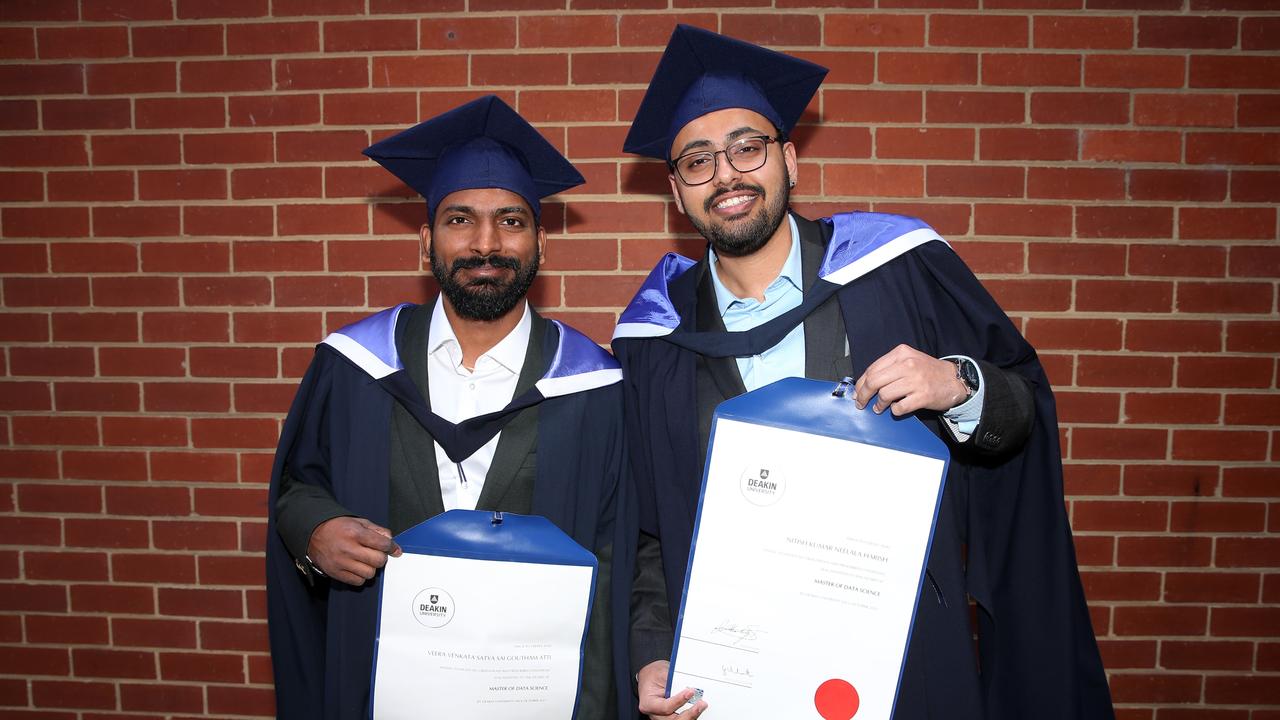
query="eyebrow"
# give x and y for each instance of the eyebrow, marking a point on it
(468, 210)
(733, 135)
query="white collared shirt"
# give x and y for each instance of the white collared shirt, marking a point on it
(458, 394)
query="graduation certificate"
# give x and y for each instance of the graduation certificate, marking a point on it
(478, 633)
(812, 534)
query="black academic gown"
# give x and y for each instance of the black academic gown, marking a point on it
(354, 450)
(1002, 535)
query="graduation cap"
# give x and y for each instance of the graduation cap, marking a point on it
(482, 144)
(701, 72)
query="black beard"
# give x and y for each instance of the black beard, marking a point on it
(486, 299)
(743, 238)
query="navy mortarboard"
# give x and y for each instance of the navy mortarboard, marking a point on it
(701, 72)
(483, 144)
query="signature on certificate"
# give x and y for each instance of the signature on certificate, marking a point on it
(738, 634)
(736, 671)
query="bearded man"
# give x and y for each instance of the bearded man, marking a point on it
(877, 297)
(471, 401)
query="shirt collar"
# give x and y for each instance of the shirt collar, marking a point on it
(791, 271)
(509, 352)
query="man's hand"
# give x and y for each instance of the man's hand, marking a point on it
(350, 549)
(651, 686)
(907, 380)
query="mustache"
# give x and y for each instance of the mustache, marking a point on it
(719, 194)
(477, 261)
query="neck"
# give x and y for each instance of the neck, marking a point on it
(477, 337)
(749, 275)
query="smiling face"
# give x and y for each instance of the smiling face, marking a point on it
(485, 248)
(736, 212)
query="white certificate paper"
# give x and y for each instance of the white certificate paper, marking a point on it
(804, 574)
(467, 638)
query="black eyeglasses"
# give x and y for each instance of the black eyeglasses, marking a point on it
(745, 155)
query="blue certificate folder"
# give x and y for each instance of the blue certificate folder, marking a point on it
(492, 536)
(820, 408)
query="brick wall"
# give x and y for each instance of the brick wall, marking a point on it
(185, 211)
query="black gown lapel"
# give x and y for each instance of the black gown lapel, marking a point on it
(723, 370)
(415, 476)
(518, 437)
(826, 351)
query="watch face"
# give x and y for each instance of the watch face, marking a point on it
(969, 374)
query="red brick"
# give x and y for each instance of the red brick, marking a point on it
(1083, 334)
(113, 533)
(1124, 372)
(974, 181)
(109, 396)
(1175, 185)
(783, 29)
(1238, 297)
(1219, 445)
(1229, 372)
(468, 33)
(176, 40)
(1023, 220)
(874, 30)
(1136, 516)
(184, 327)
(24, 258)
(276, 182)
(1164, 551)
(38, 598)
(69, 694)
(202, 9)
(28, 463)
(323, 219)
(27, 327)
(436, 71)
(43, 79)
(1031, 69)
(277, 327)
(1217, 517)
(872, 106)
(318, 146)
(91, 662)
(182, 184)
(18, 43)
(240, 220)
(1171, 480)
(978, 31)
(1254, 261)
(1118, 444)
(588, 68)
(1184, 110)
(241, 700)
(1258, 110)
(1247, 552)
(930, 143)
(542, 31)
(877, 180)
(117, 466)
(52, 222)
(1202, 32)
(928, 68)
(1076, 183)
(276, 38)
(184, 112)
(52, 361)
(1224, 223)
(186, 257)
(234, 362)
(231, 570)
(52, 292)
(234, 433)
(1134, 71)
(256, 256)
(228, 148)
(67, 630)
(539, 69)
(1260, 33)
(144, 431)
(1173, 335)
(193, 466)
(34, 661)
(118, 10)
(1028, 144)
(366, 35)
(60, 43)
(135, 291)
(365, 109)
(202, 667)
(43, 151)
(1211, 587)
(86, 114)
(166, 697)
(1177, 260)
(1200, 655)
(100, 258)
(948, 219)
(1067, 32)
(1233, 148)
(142, 149)
(1246, 621)
(322, 73)
(193, 535)
(1251, 409)
(975, 108)
(153, 567)
(1080, 108)
(54, 430)
(1219, 71)
(1118, 654)
(131, 78)
(45, 498)
(1124, 296)
(1253, 336)
(21, 186)
(1088, 407)
(268, 110)
(282, 8)
(65, 566)
(1253, 690)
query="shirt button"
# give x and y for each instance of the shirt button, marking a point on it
(472, 386)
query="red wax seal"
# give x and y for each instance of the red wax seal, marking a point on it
(836, 699)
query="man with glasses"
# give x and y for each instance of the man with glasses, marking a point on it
(877, 297)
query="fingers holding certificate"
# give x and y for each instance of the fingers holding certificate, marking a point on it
(809, 551)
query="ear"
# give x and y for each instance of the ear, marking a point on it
(675, 192)
(789, 157)
(542, 244)
(424, 234)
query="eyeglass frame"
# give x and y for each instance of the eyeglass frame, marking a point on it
(768, 140)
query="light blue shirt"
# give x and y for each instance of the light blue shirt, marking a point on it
(786, 359)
